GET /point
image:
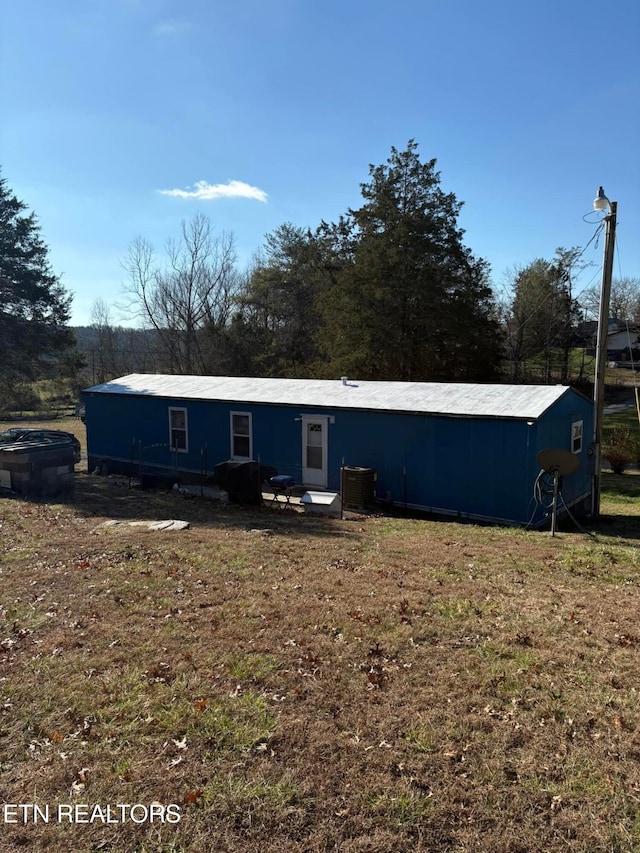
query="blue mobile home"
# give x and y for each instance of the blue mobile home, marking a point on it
(461, 449)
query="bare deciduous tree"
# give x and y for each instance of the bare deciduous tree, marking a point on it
(189, 297)
(103, 357)
(624, 302)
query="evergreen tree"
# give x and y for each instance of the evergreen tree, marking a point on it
(280, 304)
(409, 301)
(34, 307)
(543, 315)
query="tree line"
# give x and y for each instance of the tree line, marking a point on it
(389, 291)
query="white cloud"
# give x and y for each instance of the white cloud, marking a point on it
(209, 192)
(170, 27)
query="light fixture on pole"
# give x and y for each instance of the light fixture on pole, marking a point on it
(601, 202)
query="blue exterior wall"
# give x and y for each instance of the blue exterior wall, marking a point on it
(478, 467)
(553, 430)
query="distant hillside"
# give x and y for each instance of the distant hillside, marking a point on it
(116, 351)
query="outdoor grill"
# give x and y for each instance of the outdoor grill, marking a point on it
(243, 479)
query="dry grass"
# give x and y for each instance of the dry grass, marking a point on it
(298, 684)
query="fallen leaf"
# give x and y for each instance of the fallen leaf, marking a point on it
(192, 796)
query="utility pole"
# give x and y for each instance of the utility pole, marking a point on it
(601, 202)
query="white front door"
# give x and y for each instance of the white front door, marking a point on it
(314, 451)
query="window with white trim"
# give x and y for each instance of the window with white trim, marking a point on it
(178, 440)
(576, 437)
(241, 435)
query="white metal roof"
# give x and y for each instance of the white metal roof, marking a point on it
(442, 398)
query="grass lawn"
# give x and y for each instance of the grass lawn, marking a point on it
(297, 684)
(626, 419)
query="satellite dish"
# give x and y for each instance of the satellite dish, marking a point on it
(557, 461)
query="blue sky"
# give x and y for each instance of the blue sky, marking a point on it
(279, 106)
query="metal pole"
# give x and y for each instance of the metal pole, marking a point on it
(554, 509)
(601, 354)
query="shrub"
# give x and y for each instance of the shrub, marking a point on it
(636, 448)
(619, 448)
(21, 397)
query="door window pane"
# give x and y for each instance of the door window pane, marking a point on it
(314, 457)
(314, 434)
(314, 446)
